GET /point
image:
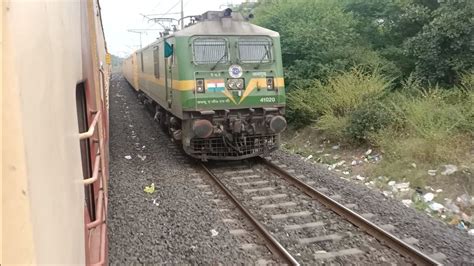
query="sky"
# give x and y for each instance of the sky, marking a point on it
(119, 16)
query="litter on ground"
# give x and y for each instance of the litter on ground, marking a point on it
(150, 189)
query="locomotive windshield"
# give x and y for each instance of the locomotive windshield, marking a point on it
(254, 50)
(210, 51)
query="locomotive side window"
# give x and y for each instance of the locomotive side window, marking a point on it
(255, 50)
(156, 60)
(210, 51)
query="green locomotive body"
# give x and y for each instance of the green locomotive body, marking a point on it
(217, 85)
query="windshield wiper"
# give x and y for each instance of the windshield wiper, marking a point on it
(263, 57)
(218, 61)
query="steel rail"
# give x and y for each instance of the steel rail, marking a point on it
(380, 234)
(275, 246)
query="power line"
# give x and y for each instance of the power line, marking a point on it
(140, 32)
(155, 6)
(175, 5)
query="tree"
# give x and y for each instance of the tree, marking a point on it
(318, 38)
(386, 25)
(444, 49)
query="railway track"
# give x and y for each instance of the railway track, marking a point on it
(298, 223)
(303, 225)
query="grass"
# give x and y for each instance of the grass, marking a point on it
(330, 104)
(425, 127)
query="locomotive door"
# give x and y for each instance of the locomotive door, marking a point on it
(168, 81)
(168, 52)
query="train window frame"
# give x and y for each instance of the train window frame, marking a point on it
(85, 149)
(224, 60)
(141, 61)
(256, 61)
(173, 57)
(156, 61)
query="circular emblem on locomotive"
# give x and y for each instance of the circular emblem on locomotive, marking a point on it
(235, 71)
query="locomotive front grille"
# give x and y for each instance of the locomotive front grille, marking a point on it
(239, 148)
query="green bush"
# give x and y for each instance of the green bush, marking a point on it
(344, 93)
(367, 120)
(300, 110)
(337, 98)
(429, 126)
(334, 127)
(429, 115)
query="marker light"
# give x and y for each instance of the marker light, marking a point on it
(270, 83)
(200, 86)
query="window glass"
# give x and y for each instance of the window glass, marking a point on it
(156, 59)
(210, 51)
(254, 50)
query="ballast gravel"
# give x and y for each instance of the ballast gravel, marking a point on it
(178, 223)
(449, 245)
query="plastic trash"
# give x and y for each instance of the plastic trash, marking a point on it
(432, 172)
(128, 157)
(150, 189)
(449, 169)
(436, 206)
(451, 206)
(428, 197)
(402, 185)
(464, 200)
(368, 152)
(407, 202)
(214, 232)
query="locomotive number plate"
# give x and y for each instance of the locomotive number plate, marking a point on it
(267, 99)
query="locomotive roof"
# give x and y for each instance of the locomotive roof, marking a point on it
(214, 24)
(217, 25)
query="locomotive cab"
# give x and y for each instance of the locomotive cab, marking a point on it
(239, 91)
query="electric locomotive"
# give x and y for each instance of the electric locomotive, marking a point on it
(216, 85)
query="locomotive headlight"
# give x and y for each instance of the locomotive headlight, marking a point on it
(235, 84)
(231, 83)
(200, 86)
(270, 83)
(239, 83)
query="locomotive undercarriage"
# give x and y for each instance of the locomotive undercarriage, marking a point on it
(231, 134)
(225, 134)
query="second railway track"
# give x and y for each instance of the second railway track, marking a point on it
(300, 224)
